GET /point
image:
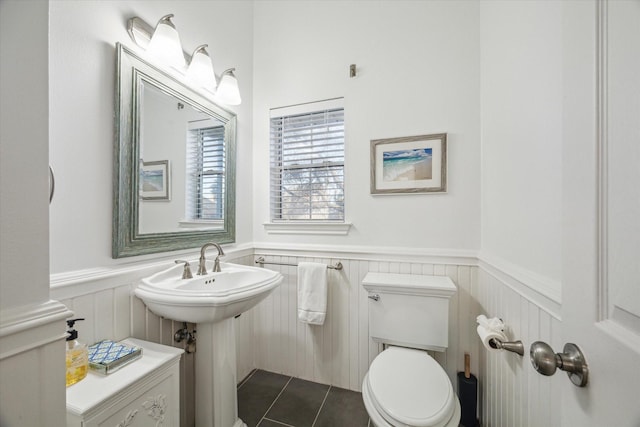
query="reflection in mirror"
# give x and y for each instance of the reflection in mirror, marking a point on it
(174, 163)
(191, 145)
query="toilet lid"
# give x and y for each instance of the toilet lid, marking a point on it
(409, 387)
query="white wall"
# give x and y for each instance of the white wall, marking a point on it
(418, 73)
(31, 326)
(521, 116)
(82, 70)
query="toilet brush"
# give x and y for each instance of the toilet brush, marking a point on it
(468, 395)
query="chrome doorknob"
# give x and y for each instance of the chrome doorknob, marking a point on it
(543, 358)
(572, 361)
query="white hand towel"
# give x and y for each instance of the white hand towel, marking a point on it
(312, 292)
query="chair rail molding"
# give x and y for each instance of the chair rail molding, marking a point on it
(541, 290)
(371, 253)
(28, 327)
(83, 282)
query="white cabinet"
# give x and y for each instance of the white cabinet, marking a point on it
(146, 392)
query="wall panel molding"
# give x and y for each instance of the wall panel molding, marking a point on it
(83, 282)
(270, 337)
(511, 392)
(340, 351)
(540, 290)
(371, 253)
(29, 327)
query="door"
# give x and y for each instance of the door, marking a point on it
(601, 209)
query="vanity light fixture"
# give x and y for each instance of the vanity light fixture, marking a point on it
(228, 91)
(165, 45)
(200, 69)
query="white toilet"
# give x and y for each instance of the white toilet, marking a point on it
(405, 386)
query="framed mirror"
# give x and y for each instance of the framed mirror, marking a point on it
(174, 163)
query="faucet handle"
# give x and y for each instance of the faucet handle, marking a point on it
(216, 264)
(186, 273)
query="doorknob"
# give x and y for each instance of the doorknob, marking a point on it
(572, 361)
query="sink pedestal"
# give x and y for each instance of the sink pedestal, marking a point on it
(216, 382)
(211, 301)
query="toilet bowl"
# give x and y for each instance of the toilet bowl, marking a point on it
(408, 388)
(405, 386)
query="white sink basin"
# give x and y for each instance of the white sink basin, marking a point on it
(210, 298)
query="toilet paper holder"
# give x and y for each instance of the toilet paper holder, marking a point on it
(491, 332)
(512, 346)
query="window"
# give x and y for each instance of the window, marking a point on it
(307, 162)
(205, 173)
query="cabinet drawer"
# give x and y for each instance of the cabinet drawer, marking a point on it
(155, 404)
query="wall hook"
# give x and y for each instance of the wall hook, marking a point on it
(352, 70)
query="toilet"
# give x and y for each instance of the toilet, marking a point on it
(405, 386)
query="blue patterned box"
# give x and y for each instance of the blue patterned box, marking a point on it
(108, 356)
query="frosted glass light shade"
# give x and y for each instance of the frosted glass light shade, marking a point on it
(165, 43)
(200, 71)
(228, 92)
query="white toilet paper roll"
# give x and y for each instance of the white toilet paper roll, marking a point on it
(487, 335)
(493, 324)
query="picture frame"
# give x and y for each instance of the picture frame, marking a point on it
(412, 164)
(154, 180)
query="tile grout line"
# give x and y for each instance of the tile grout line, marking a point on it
(247, 378)
(321, 406)
(277, 422)
(274, 401)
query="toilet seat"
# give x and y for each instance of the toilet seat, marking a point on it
(408, 388)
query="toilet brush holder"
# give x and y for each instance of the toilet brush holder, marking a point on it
(468, 395)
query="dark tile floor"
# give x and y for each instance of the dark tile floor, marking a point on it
(266, 399)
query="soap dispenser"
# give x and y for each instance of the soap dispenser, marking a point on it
(77, 355)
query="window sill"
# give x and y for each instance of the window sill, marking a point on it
(202, 224)
(318, 228)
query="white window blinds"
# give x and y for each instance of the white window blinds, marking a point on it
(205, 174)
(307, 163)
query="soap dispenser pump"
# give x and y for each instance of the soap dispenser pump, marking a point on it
(77, 355)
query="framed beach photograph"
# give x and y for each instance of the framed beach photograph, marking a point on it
(154, 180)
(412, 164)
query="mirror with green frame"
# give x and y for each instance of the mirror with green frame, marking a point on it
(174, 163)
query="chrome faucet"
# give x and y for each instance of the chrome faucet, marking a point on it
(202, 269)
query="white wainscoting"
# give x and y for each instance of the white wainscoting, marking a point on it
(31, 378)
(106, 301)
(511, 392)
(339, 352)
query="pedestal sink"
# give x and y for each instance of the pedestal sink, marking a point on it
(211, 301)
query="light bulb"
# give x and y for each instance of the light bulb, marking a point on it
(200, 71)
(228, 92)
(165, 43)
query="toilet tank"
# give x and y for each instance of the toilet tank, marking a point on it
(410, 310)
